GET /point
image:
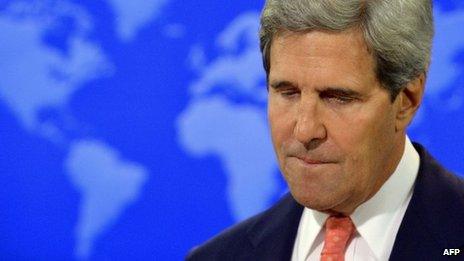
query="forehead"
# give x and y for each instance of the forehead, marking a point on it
(341, 56)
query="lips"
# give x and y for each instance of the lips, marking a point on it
(307, 166)
(312, 161)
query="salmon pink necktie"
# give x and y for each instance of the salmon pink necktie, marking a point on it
(338, 231)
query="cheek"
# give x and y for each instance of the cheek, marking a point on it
(364, 144)
(356, 138)
(378, 132)
(349, 135)
(281, 123)
(360, 132)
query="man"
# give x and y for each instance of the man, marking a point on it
(346, 78)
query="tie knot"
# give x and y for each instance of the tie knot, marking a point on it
(338, 231)
(339, 223)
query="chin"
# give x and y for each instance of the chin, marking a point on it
(316, 202)
(328, 201)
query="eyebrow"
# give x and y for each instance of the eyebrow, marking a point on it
(281, 84)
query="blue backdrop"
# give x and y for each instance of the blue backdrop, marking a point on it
(133, 130)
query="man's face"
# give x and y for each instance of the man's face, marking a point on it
(333, 126)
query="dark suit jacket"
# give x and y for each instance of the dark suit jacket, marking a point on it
(433, 222)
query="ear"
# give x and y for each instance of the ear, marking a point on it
(408, 102)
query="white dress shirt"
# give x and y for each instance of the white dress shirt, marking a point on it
(377, 220)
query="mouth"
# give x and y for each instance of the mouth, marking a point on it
(312, 161)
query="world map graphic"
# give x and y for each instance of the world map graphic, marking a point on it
(138, 129)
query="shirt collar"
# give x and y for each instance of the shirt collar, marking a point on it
(375, 217)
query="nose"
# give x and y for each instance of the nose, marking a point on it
(309, 128)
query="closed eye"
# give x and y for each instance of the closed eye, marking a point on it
(290, 92)
(339, 99)
(285, 88)
(339, 96)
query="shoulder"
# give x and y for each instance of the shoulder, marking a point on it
(435, 213)
(238, 241)
(220, 246)
(439, 197)
(436, 179)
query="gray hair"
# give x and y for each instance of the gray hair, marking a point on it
(398, 32)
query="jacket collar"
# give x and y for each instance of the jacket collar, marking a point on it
(434, 218)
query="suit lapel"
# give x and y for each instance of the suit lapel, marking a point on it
(431, 221)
